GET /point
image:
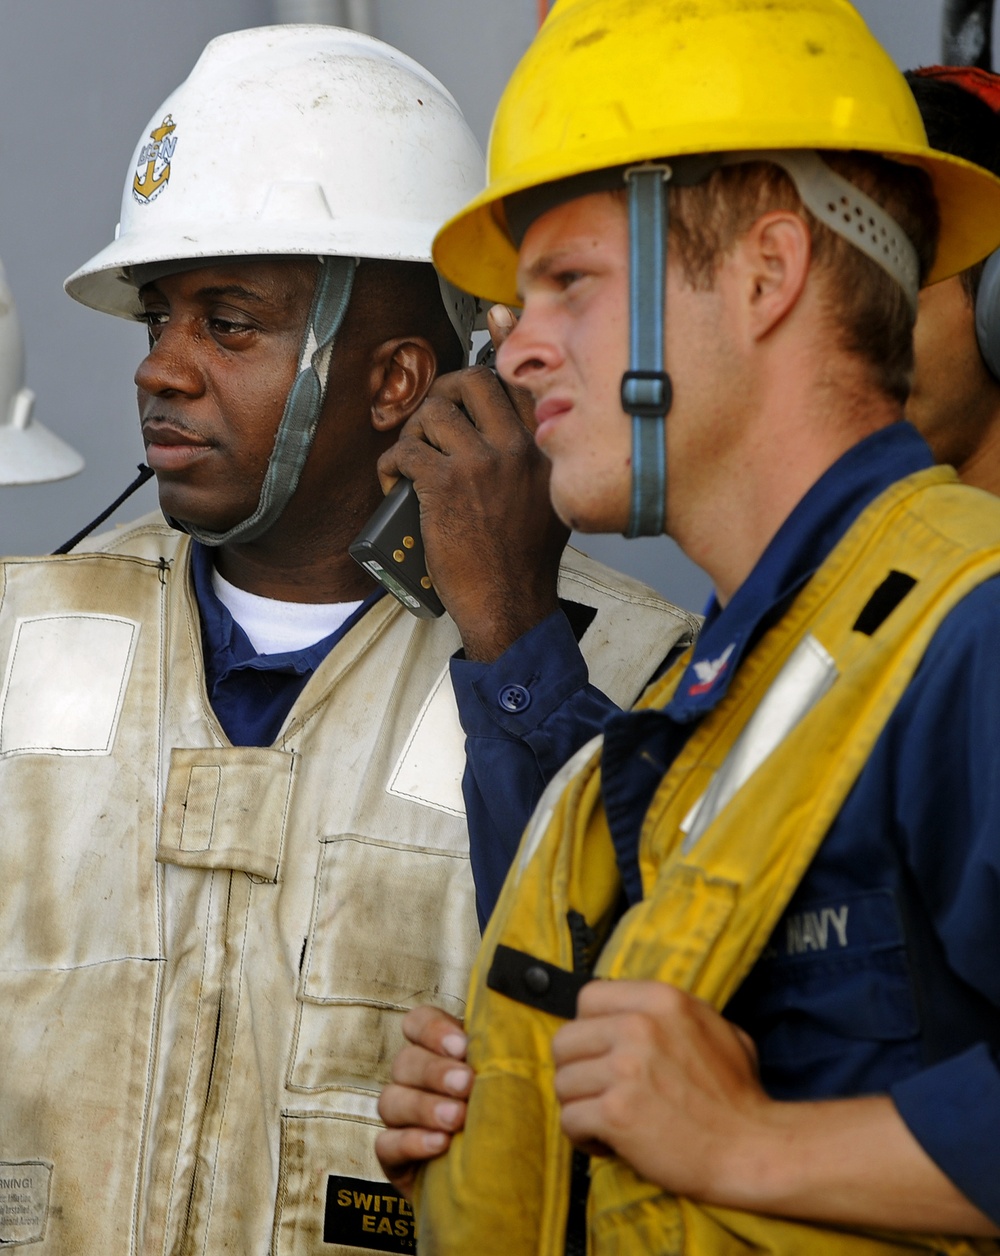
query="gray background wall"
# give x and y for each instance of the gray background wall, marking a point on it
(78, 81)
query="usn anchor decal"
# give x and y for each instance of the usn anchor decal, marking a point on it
(153, 167)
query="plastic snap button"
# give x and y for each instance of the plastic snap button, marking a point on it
(537, 979)
(514, 698)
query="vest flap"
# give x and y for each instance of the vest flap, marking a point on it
(226, 807)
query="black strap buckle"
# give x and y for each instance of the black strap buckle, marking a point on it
(648, 394)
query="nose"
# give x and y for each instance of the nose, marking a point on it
(171, 364)
(530, 351)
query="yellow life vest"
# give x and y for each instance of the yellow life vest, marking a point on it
(728, 836)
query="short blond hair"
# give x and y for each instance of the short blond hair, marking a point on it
(870, 312)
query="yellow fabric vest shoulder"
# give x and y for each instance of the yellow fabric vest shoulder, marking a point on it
(713, 890)
(207, 949)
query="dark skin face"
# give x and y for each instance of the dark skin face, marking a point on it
(211, 392)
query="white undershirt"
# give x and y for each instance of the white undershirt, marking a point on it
(276, 627)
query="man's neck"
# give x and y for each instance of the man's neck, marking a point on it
(306, 569)
(982, 468)
(781, 455)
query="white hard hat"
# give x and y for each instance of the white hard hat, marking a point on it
(291, 140)
(29, 453)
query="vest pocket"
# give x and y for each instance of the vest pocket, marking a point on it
(332, 1195)
(392, 927)
(226, 807)
(831, 998)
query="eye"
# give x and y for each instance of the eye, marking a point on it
(154, 321)
(229, 326)
(567, 278)
(152, 318)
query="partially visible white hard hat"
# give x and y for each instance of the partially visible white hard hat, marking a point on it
(290, 140)
(29, 453)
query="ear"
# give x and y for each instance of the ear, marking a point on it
(775, 255)
(402, 371)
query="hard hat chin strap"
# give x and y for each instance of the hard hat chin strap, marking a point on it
(303, 407)
(646, 392)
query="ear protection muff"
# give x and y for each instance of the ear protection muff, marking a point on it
(988, 314)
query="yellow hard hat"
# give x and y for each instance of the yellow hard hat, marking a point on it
(609, 82)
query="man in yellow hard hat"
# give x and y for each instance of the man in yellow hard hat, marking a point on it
(785, 864)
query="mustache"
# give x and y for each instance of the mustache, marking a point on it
(167, 424)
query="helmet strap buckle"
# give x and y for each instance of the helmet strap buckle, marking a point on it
(646, 391)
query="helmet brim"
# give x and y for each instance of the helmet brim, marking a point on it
(474, 249)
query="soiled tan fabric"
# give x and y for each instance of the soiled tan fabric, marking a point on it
(207, 950)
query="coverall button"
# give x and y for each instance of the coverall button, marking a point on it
(514, 698)
(537, 979)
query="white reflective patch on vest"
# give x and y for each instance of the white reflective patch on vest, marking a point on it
(65, 684)
(805, 678)
(24, 1200)
(429, 770)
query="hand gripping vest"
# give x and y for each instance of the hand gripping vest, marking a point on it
(207, 949)
(728, 835)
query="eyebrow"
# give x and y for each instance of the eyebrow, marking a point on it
(544, 265)
(216, 291)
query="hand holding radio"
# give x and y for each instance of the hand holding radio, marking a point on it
(492, 541)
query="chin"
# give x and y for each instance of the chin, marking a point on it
(196, 514)
(586, 511)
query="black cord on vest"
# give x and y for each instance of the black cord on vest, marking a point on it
(144, 475)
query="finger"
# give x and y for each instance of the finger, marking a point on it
(584, 1124)
(609, 998)
(435, 1029)
(582, 1040)
(388, 465)
(403, 1107)
(491, 405)
(501, 321)
(387, 468)
(431, 1071)
(582, 1078)
(401, 1152)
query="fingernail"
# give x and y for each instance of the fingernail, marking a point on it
(455, 1044)
(435, 1142)
(457, 1080)
(503, 317)
(448, 1114)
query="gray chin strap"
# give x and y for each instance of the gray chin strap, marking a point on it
(646, 393)
(297, 428)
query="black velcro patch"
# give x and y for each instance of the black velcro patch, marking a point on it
(535, 982)
(367, 1214)
(883, 601)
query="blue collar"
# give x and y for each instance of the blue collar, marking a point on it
(227, 646)
(795, 552)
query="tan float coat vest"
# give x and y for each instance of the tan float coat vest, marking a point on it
(207, 950)
(727, 838)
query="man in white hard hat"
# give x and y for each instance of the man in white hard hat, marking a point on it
(233, 849)
(784, 864)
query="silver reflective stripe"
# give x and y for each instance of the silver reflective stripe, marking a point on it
(805, 678)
